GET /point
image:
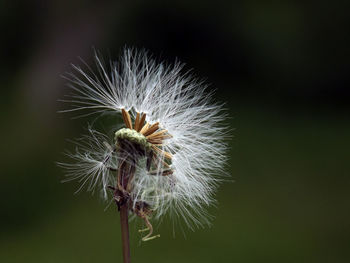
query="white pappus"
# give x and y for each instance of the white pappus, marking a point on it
(172, 144)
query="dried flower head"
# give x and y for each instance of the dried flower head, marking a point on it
(170, 154)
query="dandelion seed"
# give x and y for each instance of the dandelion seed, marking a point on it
(169, 155)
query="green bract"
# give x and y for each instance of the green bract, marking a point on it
(132, 136)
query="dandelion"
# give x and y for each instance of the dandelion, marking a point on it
(169, 154)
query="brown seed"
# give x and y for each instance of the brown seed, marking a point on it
(151, 129)
(162, 137)
(156, 134)
(141, 122)
(136, 125)
(155, 141)
(144, 128)
(127, 119)
(164, 153)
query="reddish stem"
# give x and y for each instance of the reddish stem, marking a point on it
(124, 223)
(122, 201)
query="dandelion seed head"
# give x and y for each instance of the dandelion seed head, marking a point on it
(172, 126)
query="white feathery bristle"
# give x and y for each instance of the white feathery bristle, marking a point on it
(91, 162)
(182, 106)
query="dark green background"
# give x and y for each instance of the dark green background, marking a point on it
(282, 68)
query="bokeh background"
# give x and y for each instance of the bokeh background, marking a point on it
(281, 66)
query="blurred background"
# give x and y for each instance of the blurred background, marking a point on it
(281, 66)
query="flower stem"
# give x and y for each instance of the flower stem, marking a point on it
(124, 224)
(121, 196)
